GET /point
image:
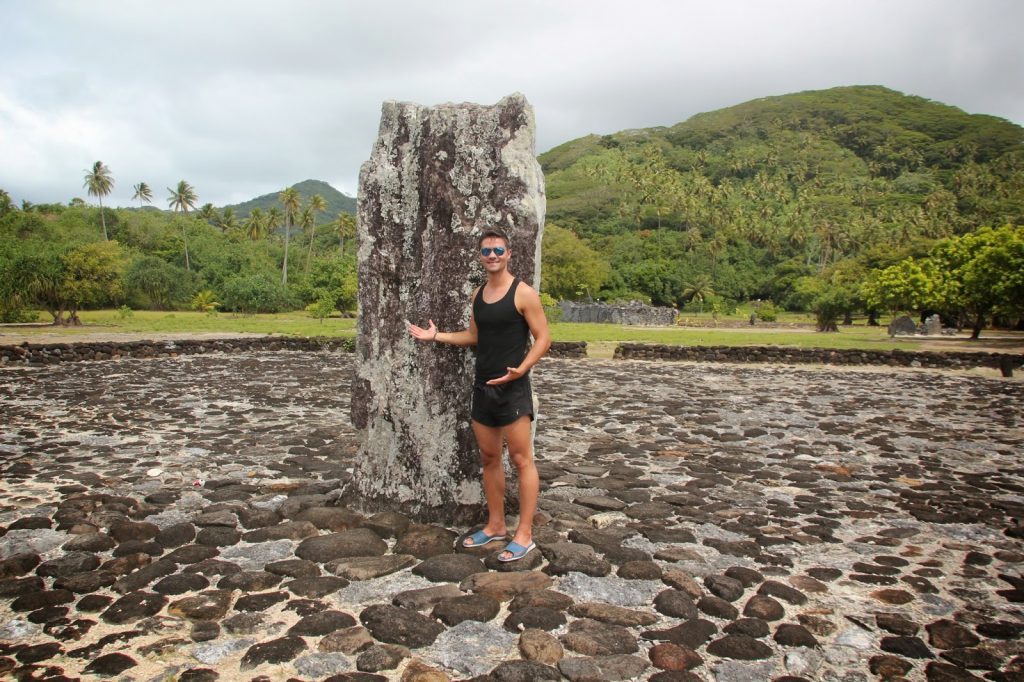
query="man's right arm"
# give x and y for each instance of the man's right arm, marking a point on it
(466, 337)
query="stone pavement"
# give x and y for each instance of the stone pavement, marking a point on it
(180, 519)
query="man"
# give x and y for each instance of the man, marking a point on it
(505, 312)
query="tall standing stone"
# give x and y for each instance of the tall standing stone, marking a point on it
(436, 179)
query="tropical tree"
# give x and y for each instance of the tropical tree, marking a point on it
(570, 267)
(256, 224)
(345, 226)
(316, 204)
(227, 220)
(99, 182)
(208, 213)
(182, 200)
(143, 193)
(699, 289)
(290, 199)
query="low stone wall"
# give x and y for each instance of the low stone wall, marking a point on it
(631, 314)
(780, 354)
(48, 354)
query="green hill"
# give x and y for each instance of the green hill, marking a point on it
(749, 198)
(337, 202)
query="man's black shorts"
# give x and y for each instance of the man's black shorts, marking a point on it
(501, 405)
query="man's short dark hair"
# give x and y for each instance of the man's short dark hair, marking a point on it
(494, 234)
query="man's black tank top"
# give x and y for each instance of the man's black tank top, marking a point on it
(502, 334)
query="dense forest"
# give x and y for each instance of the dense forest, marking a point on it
(788, 199)
(844, 201)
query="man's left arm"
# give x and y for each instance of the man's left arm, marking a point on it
(529, 305)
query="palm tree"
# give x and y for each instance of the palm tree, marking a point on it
(208, 213)
(227, 220)
(181, 200)
(143, 193)
(273, 219)
(255, 224)
(99, 182)
(345, 226)
(6, 205)
(698, 290)
(290, 199)
(317, 204)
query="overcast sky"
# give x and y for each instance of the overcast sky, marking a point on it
(245, 97)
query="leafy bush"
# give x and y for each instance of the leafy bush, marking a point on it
(767, 312)
(551, 309)
(257, 294)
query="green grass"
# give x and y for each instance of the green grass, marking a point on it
(863, 337)
(600, 337)
(298, 323)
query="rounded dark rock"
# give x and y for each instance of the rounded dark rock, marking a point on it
(896, 624)
(887, 667)
(41, 599)
(773, 588)
(204, 631)
(18, 565)
(90, 542)
(381, 657)
(764, 608)
(692, 633)
(281, 650)
(909, 647)
(322, 623)
(524, 671)
(68, 564)
(476, 607)
(249, 581)
(109, 665)
(973, 658)
(791, 634)
(84, 583)
(38, 652)
(191, 554)
(396, 625)
(138, 531)
(451, 568)
(824, 573)
(945, 634)
(536, 617)
(48, 614)
(208, 605)
(739, 647)
(1001, 629)
(131, 547)
(639, 570)
(751, 627)
(675, 603)
(668, 656)
(180, 583)
(198, 675)
(218, 536)
(425, 541)
(243, 623)
(348, 543)
(717, 607)
(724, 587)
(16, 587)
(747, 577)
(593, 638)
(260, 601)
(315, 587)
(31, 523)
(93, 603)
(937, 671)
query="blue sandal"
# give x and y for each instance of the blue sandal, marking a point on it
(516, 550)
(480, 538)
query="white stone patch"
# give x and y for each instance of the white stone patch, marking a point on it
(472, 647)
(610, 589)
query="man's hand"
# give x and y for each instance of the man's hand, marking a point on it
(512, 374)
(421, 334)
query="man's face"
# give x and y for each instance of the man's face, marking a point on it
(492, 261)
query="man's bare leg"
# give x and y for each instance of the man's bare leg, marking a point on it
(489, 440)
(519, 436)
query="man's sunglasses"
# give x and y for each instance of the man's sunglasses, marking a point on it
(499, 251)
